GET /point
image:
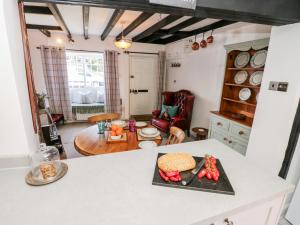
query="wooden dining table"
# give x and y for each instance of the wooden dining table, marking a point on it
(90, 142)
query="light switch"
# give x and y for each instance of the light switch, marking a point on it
(278, 86)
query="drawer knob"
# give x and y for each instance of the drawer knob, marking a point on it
(225, 139)
(228, 222)
(219, 124)
(241, 132)
(230, 142)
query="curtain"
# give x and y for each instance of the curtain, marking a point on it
(161, 79)
(111, 78)
(56, 79)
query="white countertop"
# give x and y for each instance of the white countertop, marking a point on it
(116, 189)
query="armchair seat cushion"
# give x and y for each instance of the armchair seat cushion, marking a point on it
(161, 124)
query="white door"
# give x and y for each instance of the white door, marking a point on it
(142, 85)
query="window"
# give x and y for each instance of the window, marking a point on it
(85, 69)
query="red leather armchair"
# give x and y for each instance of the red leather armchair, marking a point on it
(185, 100)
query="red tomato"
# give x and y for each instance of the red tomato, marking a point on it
(201, 173)
(208, 175)
(172, 174)
(213, 160)
(215, 177)
(163, 176)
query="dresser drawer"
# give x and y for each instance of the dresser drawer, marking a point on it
(239, 131)
(219, 136)
(220, 123)
(238, 145)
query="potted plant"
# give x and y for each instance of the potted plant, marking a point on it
(41, 100)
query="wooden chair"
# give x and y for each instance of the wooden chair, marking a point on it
(176, 136)
(103, 116)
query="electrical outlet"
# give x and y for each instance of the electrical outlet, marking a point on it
(282, 86)
(278, 86)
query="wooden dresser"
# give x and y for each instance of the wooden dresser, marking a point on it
(232, 123)
(229, 132)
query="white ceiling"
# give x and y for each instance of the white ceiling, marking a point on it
(99, 18)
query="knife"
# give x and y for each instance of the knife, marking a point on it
(194, 172)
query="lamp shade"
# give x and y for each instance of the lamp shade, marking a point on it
(123, 43)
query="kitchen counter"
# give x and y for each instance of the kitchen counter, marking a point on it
(116, 189)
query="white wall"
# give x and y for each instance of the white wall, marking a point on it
(17, 137)
(276, 110)
(202, 71)
(36, 38)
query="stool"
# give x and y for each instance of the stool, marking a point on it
(201, 133)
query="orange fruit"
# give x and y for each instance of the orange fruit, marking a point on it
(114, 127)
(120, 129)
(118, 132)
(113, 133)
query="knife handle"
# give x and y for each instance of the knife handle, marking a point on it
(188, 180)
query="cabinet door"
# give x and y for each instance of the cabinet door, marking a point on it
(267, 213)
(219, 136)
(237, 145)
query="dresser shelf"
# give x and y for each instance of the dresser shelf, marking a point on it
(246, 68)
(242, 85)
(240, 102)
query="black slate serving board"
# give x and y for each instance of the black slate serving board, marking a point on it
(223, 185)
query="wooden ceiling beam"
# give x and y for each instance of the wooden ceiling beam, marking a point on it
(47, 33)
(172, 30)
(161, 33)
(157, 26)
(112, 22)
(213, 26)
(42, 27)
(59, 19)
(138, 21)
(85, 22)
(270, 12)
(37, 10)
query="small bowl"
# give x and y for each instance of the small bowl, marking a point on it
(118, 137)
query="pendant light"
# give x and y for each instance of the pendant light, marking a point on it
(123, 43)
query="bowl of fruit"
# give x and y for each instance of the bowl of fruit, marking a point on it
(116, 132)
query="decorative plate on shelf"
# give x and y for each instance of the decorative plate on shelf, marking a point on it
(244, 94)
(242, 59)
(240, 77)
(259, 59)
(256, 78)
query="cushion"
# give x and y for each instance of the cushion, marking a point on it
(88, 97)
(100, 97)
(168, 111)
(76, 97)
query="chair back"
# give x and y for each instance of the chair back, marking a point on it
(103, 116)
(184, 99)
(176, 136)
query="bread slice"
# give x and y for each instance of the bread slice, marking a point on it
(176, 162)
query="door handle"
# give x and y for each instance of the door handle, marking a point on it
(143, 90)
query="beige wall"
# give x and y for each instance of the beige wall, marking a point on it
(36, 38)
